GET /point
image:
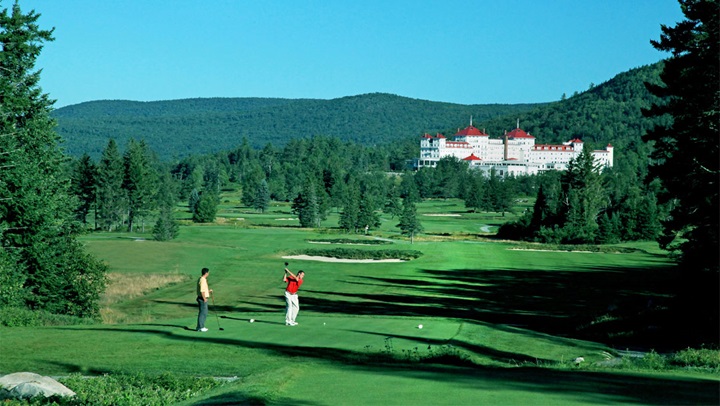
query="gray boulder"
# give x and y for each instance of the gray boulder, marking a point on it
(22, 385)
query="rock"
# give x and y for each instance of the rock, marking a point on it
(23, 385)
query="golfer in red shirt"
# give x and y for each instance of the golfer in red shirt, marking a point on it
(291, 297)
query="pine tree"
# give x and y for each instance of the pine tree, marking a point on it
(409, 223)
(584, 198)
(393, 204)
(38, 233)
(351, 209)
(687, 152)
(166, 228)
(206, 208)
(367, 218)
(84, 187)
(110, 194)
(139, 181)
(262, 197)
(687, 160)
(193, 201)
(473, 201)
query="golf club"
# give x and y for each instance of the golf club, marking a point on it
(215, 312)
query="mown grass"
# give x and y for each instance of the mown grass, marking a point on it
(499, 325)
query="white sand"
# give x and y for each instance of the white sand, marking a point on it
(329, 259)
(442, 215)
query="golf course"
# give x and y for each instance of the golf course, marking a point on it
(471, 320)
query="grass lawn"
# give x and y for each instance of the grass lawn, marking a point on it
(500, 325)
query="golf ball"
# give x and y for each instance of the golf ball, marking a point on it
(252, 320)
(419, 325)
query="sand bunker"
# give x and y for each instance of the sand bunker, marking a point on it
(442, 215)
(329, 259)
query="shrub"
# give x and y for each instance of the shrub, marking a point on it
(350, 241)
(697, 358)
(349, 253)
(131, 389)
(23, 317)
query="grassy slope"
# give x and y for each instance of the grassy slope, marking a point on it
(508, 311)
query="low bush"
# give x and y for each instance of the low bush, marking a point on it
(23, 317)
(697, 358)
(349, 241)
(349, 253)
(126, 390)
(607, 249)
(692, 358)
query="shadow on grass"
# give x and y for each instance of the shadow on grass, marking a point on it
(624, 307)
(561, 303)
(585, 386)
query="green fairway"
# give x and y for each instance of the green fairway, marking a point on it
(502, 323)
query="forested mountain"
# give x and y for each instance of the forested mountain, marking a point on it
(607, 113)
(179, 128)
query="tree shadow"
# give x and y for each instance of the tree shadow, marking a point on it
(560, 303)
(585, 386)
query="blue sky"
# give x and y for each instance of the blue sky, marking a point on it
(458, 51)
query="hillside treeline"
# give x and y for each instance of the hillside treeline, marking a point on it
(610, 112)
(180, 128)
(323, 174)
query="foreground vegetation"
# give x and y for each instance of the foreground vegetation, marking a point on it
(502, 322)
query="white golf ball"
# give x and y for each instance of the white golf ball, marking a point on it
(419, 325)
(323, 324)
(252, 320)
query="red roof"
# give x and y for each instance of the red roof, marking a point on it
(518, 133)
(577, 141)
(470, 130)
(472, 157)
(426, 135)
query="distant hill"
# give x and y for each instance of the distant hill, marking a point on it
(179, 128)
(610, 112)
(606, 113)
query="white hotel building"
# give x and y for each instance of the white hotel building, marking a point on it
(515, 154)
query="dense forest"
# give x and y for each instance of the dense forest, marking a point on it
(610, 112)
(179, 128)
(339, 173)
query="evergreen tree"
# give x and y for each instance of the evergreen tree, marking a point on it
(193, 201)
(687, 151)
(584, 198)
(166, 228)
(305, 205)
(262, 197)
(351, 209)
(139, 181)
(110, 194)
(409, 223)
(607, 230)
(393, 204)
(687, 161)
(83, 186)
(367, 218)
(38, 233)
(206, 208)
(474, 198)
(409, 188)
(647, 218)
